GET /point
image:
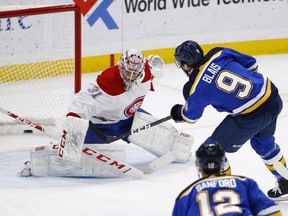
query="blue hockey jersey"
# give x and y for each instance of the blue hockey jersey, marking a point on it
(224, 195)
(228, 80)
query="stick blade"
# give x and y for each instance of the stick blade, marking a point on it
(159, 163)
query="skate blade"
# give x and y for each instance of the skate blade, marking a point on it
(279, 199)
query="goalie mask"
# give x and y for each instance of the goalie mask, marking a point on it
(131, 67)
(210, 159)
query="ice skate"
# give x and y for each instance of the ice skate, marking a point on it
(26, 171)
(280, 192)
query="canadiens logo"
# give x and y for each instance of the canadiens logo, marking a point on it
(133, 107)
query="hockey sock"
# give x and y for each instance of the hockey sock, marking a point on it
(271, 154)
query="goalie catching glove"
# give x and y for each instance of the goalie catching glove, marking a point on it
(157, 68)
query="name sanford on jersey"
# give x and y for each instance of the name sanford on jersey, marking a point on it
(230, 183)
(211, 72)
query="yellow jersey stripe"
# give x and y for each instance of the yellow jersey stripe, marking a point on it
(261, 101)
(202, 69)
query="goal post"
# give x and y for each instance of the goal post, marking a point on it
(40, 63)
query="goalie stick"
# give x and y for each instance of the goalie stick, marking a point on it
(121, 167)
(51, 132)
(110, 139)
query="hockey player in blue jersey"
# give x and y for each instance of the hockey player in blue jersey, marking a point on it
(216, 194)
(229, 81)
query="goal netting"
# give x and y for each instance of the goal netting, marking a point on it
(40, 61)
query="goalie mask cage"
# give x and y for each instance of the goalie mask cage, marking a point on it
(40, 63)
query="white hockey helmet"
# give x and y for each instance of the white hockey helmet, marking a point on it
(131, 67)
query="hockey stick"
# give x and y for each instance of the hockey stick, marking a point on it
(110, 139)
(104, 159)
(159, 163)
(52, 133)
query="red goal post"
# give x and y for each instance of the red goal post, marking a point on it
(40, 63)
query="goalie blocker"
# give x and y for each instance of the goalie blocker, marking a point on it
(161, 140)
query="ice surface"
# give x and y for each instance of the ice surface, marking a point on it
(152, 195)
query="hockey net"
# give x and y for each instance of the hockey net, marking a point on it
(40, 61)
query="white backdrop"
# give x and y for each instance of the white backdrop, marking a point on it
(165, 23)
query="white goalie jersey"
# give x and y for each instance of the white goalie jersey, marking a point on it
(105, 101)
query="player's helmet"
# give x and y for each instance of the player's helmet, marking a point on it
(189, 52)
(210, 158)
(131, 67)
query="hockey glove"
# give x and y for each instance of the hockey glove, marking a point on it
(176, 113)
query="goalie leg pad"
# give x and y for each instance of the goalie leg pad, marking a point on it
(162, 138)
(71, 142)
(45, 162)
(182, 145)
(40, 159)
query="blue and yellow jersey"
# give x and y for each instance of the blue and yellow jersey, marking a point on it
(224, 195)
(227, 80)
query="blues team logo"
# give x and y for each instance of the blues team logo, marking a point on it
(133, 107)
(97, 12)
